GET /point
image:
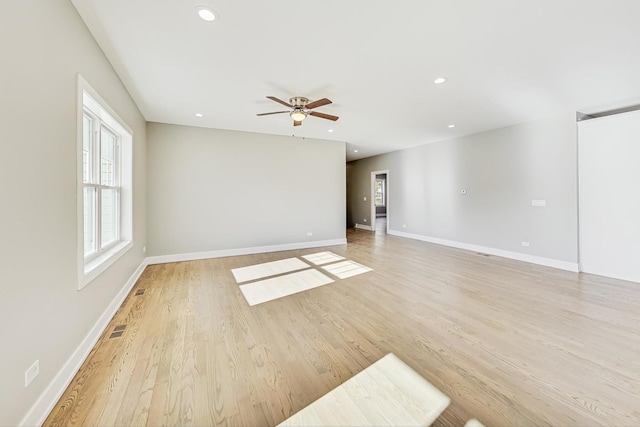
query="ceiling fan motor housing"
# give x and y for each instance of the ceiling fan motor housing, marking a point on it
(298, 101)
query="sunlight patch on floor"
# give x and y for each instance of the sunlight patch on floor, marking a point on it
(321, 258)
(267, 269)
(346, 269)
(282, 286)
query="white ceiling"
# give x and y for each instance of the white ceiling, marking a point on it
(506, 61)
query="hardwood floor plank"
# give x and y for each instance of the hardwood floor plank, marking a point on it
(509, 342)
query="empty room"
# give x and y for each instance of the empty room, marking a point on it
(320, 213)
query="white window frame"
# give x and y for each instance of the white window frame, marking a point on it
(103, 117)
(95, 181)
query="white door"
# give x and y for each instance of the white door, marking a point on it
(609, 211)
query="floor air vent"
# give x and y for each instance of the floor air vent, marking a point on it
(139, 292)
(117, 331)
(481, 254)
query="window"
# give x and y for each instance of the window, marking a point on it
(101, 182)
(104, 190)
(379, 192)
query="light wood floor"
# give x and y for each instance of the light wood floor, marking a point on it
(510, 343)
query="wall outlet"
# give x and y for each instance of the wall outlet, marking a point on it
(31, 373)
(539, 203)
(365, 198)
(365, 220)
(309, 234)
(525, 244)
(144, 249)
(404, 225)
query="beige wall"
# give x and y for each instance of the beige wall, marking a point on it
(212, 190)
(43, 316)
(502, 171)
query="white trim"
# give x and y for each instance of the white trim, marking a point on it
(161, 259)
(99, 264)
(364, 227)
(50, 396)
(548, 262)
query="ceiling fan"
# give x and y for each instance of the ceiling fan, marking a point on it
(300, 109)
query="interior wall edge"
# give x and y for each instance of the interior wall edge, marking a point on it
(532, 259)
(162, 259)
(54, 390)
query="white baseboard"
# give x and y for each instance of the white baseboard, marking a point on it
(548, 262)
(161, 259)
(50, 396)
(364, 227)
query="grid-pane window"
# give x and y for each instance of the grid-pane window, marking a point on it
(101, 179)
(108, 157)
(109, 216)
(90, 220)
(105, 185)
(86, 148)
(379, 192)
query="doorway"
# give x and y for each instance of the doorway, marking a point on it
(380, 201)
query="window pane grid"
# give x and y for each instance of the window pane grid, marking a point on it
(90, 213)
(86, 148)
(109, 217)
(379, 192)
(101, 178)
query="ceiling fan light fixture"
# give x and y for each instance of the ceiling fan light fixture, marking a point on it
(206, 13)
(298, 115)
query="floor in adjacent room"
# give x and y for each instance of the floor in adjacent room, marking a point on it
(510, 343)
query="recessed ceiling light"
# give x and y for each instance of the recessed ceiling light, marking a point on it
(440, 80)
(199, 115)
(206, 13)
(330, 130)
(355, 151)
(451, 126)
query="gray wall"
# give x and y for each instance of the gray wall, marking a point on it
(502, 171)
(42, 314)
(216, 190)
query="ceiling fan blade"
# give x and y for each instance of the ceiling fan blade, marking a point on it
(318, 103)
(279, 101)
(297, 122)
(324, 116)
(275, 112)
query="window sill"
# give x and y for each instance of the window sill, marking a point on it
(99, 264)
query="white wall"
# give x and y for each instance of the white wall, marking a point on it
(609, 196)
(44, 44)
(212, 190)
(502, 171)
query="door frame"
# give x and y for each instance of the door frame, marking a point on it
(372, 198)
